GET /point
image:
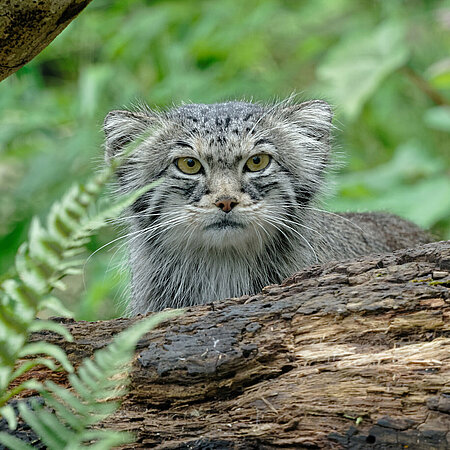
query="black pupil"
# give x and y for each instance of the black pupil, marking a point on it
(190, 162)
(256, 160)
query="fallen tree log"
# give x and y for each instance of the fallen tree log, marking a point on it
(28, 26)
(351, 354)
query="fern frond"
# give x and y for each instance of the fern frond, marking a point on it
(29, 384)
(96, 387)
(40, 265)
(54, 305)
(54, 327)
(13, 442)
(9, 415)
(45, 348)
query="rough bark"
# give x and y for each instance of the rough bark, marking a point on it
(28, 26)
(351, 354)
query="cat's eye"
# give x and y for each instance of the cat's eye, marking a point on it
(188, 165)
(257, 162)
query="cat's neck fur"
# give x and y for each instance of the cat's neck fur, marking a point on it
(165, 274)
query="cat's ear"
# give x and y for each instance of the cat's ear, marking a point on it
(123, 127)
(312, 117)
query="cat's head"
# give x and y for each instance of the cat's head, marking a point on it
(233, 174)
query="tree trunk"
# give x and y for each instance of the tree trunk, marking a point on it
(351, 354)
(28, 26)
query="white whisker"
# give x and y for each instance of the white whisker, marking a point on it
(272, 221)
(336, 215)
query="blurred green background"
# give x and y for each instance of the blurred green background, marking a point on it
(384, 65)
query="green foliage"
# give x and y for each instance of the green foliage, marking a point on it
(420, 183)
(384, 65)
(438, 118)
(97, 386)
(354, 68)
(49, 254)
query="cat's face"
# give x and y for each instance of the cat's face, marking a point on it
(233, 174)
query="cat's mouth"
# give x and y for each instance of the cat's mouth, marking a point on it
(224, 224)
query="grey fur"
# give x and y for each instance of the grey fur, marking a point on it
(184, 250)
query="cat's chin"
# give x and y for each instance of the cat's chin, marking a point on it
(228, 235)
(225, 225)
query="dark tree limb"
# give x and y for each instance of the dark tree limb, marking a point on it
(28, 26)
(348, 354)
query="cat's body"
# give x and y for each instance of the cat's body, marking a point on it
(235, 210)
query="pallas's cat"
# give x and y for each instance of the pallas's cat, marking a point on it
(236, 208)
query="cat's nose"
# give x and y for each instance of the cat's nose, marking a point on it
(226, 204)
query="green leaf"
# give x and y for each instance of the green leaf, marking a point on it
(22, 295)
(36, 419)
(81, 389)
(14, 443)
(32, 272)
(438, 74)
(56, 226)
(74, 252)
(8, 413)
(49, 325)
(425, 203)
(54, 304)
(42, 246)
(114, 211)
(5, 378)
(438, 118)
(353, 69)
(48, 349)
(56, 283)
(67, 397)
(27, 365)
(73, 270)
(128, 338)
(56, 430)
(7, 355)
(31, 385)
(63, 411)
(12, 322)
(410, 163)
(86, 378)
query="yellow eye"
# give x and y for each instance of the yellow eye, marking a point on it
(257, 162)
(188, 165)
